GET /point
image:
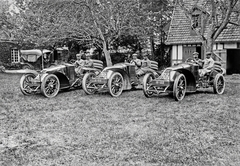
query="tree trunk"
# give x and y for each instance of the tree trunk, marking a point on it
(152, 46)
(107, 54)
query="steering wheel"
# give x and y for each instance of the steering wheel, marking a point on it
(189, 60)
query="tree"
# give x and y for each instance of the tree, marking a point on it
(97, 22)
(217, 18)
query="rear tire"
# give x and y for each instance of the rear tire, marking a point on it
(219, 84)
(146, 80)
(27, 66)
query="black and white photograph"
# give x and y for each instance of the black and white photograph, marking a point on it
(119, 82)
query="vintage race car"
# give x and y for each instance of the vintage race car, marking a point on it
(183, 78)
(115, 79)
(51, 80)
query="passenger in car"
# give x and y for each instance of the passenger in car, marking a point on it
(79, 63)
(88, 61)
(208, 64)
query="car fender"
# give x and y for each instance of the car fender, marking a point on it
(64, 81)
(190, 78)
(126, 79)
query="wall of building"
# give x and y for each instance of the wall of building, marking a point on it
(5, 51)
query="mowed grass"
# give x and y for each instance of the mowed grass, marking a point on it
(77, 129)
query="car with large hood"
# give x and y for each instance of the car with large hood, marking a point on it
(50, 81)
(115, 79)
(184, 78)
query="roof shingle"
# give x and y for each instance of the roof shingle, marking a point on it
(180, 28)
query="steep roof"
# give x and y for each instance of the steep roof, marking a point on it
(180, 28)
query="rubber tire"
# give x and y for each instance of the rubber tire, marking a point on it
(84, 83)
(145, 82)
(175, 87)
(43, 84)
(110, 84)
(215, 84)
(22, 81)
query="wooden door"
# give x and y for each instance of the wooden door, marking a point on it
(188, 52)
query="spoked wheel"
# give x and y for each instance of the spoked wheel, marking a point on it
(179, 87)
(26, 86)
(219, 84)
(146, 84)
(87, 85)
(115, 84)
(50, 86)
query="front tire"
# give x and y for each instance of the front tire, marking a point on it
(179, 87)
(115, 84)
(146, 80)
(50, 86)
(25, 84)
(219, 84)
(87, 85)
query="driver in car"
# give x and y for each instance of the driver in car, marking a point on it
(137, 62)
(196, 59)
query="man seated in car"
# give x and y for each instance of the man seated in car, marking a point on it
(196, 59)
(137, 62)
(208, 64)
(146, 66)
(88, 61)
(79, 63)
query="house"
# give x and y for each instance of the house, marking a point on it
(184, 40)
(9, 49)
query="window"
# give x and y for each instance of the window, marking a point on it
(196, 21)
(15, 57)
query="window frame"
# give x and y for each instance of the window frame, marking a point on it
(15, 55)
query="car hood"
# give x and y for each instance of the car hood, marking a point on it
(116, 66)
(180, 66)
(56, 68)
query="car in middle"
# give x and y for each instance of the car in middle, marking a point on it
(115, 79)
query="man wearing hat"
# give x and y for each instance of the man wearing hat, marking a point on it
(196, 59)
(208, 64)
(79, 63)
(137, 62)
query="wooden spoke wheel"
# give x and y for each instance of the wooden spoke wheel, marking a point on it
(219, 84)
(146, 84)
(50, 86)
(115, 84)
(179, 87)
(87, 85)
(26, 86)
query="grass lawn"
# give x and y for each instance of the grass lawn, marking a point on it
(76, 129)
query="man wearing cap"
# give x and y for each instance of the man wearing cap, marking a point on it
(146, 66)
(79, 63)
(208, 64)
(196, 59)
(137, 62)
